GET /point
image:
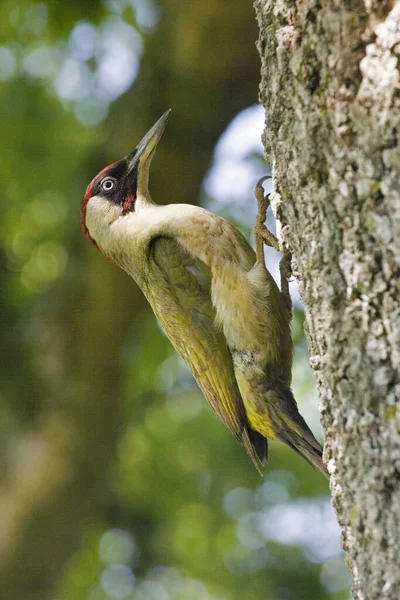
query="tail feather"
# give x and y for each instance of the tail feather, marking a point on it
(256, 446)
(311, 453)
(315, 459)
(292, 429)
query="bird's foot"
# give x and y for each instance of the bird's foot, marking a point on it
(261, 232)
(264, 236)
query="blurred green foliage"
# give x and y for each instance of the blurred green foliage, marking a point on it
(118, 482)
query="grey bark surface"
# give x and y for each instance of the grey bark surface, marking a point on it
(331, 89)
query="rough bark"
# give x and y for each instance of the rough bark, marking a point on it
(330, 87)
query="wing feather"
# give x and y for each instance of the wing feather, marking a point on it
(179, 291)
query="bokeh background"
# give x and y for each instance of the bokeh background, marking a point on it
(117, 480)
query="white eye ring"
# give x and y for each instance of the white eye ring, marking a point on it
(108, 184)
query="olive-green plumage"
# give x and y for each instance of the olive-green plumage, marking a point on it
(178, 288)
(251, 395)
(220, 307)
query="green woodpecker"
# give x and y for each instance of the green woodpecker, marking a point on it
(216, 302)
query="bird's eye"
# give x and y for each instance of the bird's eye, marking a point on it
(108, 184)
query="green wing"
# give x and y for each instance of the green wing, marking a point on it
(179, 291)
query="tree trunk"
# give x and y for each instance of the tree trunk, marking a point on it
(330, 87)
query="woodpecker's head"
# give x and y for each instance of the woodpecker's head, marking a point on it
(113, 192)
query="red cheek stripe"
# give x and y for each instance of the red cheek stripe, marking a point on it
(129, 203)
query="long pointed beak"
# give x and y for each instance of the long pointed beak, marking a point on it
(144, 151)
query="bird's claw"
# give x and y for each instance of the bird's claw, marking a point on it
(264, 236)
(261, 233)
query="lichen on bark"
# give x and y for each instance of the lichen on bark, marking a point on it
(330, 85)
